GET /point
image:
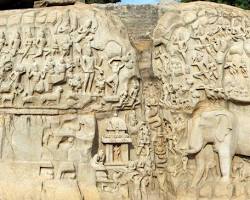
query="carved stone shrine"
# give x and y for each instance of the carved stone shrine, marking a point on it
(108, 102)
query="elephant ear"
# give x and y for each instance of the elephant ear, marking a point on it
(224, 126)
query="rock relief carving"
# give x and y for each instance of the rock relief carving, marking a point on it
(57, 60)
(201, 59)
(63, 70)
(77, 117)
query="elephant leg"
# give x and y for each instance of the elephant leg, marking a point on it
(225, 163)
(200, 167)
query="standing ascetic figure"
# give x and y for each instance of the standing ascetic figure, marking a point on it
(201, 57)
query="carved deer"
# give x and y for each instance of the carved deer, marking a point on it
(52, 97)
(8, 97)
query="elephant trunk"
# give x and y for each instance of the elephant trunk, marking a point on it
(195, 140)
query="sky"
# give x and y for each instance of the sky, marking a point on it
(139, 1)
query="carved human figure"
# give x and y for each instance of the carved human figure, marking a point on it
(132, 122)
(47, 72)
(213, 71)
(181, 39)
(100, 83)
(28, 43)
(98, 160)
(35, 82)
(116, 65)
(122, 101)
(130, 60)
(80, 34)
(143, 140)
(63, 29)
(88, 66)
(65, 46)
(41, 43)
(16, 75)
(177, 68)
(200, 62)
(2, 40)
(54, 47)
(133, 93)
(172, 142)
(64, 25)
(134, 180)
(15, 43)
(61, 66)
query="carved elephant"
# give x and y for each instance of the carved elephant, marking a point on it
(220, 128)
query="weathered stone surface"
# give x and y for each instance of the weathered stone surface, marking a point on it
(60, 66)
(125, 102)
(201, 57)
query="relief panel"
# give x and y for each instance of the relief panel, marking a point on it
(201, 59)
(78, 121)
(63, 72)
(66, 58)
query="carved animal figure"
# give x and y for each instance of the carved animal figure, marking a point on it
(8, 97)
(52, 97)
(6, 86)
(29, 99)
(221, 128)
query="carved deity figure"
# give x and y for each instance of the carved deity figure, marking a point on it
(117, 153)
